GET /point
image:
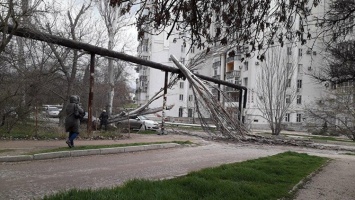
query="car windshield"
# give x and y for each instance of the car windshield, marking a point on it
(142, 118)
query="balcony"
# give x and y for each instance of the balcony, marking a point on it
(233, 74)
(230, 89)
(216, 64)
(216, 77)
(230, 59)
(143, 78)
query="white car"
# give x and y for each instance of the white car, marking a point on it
(138, 122)
(52, 111)
(149, 124)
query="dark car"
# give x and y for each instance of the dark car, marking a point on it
(137, 123)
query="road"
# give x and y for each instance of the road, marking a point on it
(29, 180)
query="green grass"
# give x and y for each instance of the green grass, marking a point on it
(321, 138)
(29, 131)
(324, 138)
(5, 150)
(148, 132)
(105, 146)
(265, 178)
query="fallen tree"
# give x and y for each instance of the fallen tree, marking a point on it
(206, 101)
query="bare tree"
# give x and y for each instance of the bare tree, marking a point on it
(339, 66)
(71, 63)
(15, 13)
(115, 23)
(275, 91)
(336, 111)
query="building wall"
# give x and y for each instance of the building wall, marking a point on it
(310, 60)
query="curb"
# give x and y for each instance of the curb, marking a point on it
(88, 152)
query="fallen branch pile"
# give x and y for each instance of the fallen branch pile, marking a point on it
(207, 104)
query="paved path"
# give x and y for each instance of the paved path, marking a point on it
(34, 179)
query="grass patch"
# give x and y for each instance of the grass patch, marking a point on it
(265, 178)
(324, 138)
(86, 147)
(148, 132)
(26, 130)
(5, 150)
(310, 137)
(329, 139)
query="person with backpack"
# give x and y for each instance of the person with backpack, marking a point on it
(72, 121)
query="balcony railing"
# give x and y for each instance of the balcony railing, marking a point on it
(216, 77)
(143, 78)
(233, 74)
(230, 89)
(216, 64)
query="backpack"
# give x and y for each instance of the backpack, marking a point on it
(77, 114)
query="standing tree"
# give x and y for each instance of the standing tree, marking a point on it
(71, 62)
(336, 110)
(115, 23)
(15, 13)
(275, 91)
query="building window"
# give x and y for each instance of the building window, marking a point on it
(191, 97)
(300, 52)
(288, 83)
(288, 99)
(246, 82)
(287, 117)
(181, 110)
(192, 50)
(300, 67)
(189, 112)
(289, 68)
(182, 60)
(182, 48)
(299, 84)
(246, 66)
(289, 50)
(181, 97)
(298, 119)
(299, 99)
(145, 45)
(181, 85)
(215, 71)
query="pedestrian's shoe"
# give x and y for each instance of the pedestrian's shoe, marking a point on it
(69, 144)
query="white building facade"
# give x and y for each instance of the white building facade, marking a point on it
(226, 64)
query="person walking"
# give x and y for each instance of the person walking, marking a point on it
(72, 121)
(103, 119)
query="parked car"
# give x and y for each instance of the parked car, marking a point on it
(138, 122)
(86, 117)
(52, 111)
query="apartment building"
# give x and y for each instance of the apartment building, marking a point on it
(225, 63)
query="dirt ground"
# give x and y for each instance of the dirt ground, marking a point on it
(336, 180)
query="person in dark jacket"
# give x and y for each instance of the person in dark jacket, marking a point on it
(103, 119)
(72, 121)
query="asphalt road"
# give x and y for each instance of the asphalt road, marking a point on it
(34, 179)
(28, 180)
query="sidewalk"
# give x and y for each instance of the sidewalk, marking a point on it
(11, 151)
